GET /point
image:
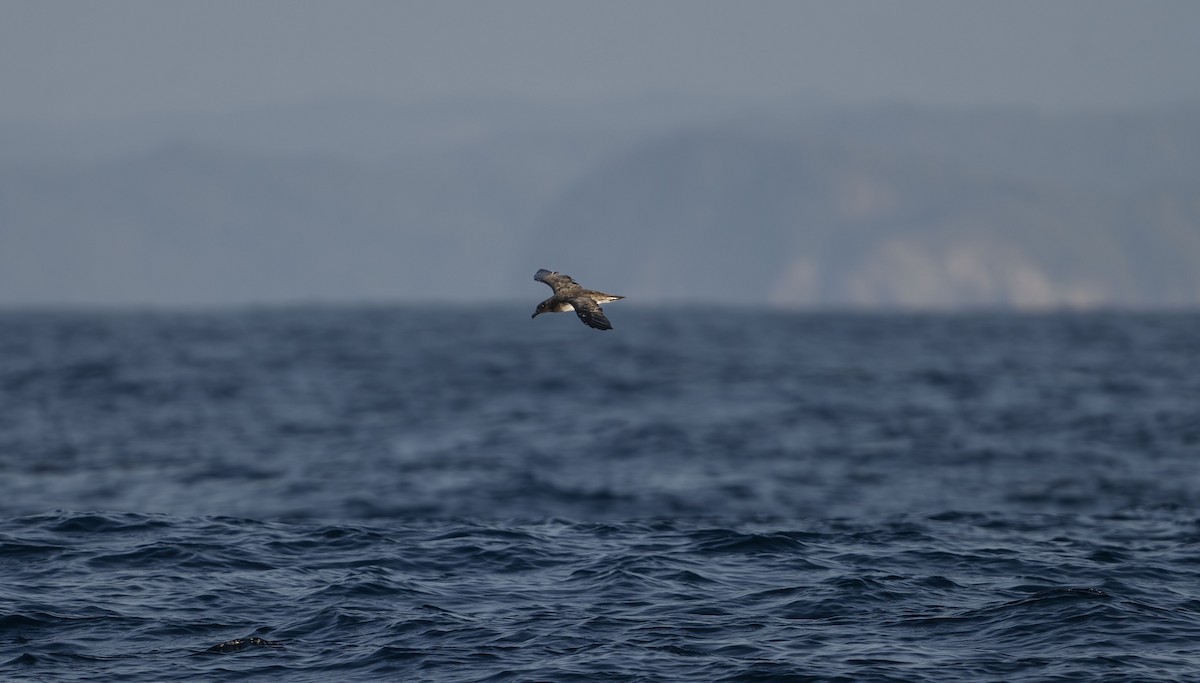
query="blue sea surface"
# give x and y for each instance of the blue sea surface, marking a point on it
(463, 494)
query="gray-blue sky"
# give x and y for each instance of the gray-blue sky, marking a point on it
(82, 60)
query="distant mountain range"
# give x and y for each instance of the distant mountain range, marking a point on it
(789, 204)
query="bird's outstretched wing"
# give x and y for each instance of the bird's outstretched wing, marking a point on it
(590, 313)
(557, 281)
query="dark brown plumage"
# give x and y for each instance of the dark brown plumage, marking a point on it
(570, 296)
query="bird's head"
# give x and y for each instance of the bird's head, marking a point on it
(541, 308)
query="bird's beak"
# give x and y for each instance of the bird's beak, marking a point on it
(535, 314)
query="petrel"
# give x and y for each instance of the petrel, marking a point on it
(570, 296)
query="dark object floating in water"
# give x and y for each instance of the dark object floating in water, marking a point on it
(569, 295)
(239, 644)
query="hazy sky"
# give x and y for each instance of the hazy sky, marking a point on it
(78, 60)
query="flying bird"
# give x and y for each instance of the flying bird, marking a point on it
(570, 296)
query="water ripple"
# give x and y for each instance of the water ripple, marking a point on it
(469, 601)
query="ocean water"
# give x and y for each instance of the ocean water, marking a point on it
(414, 494)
